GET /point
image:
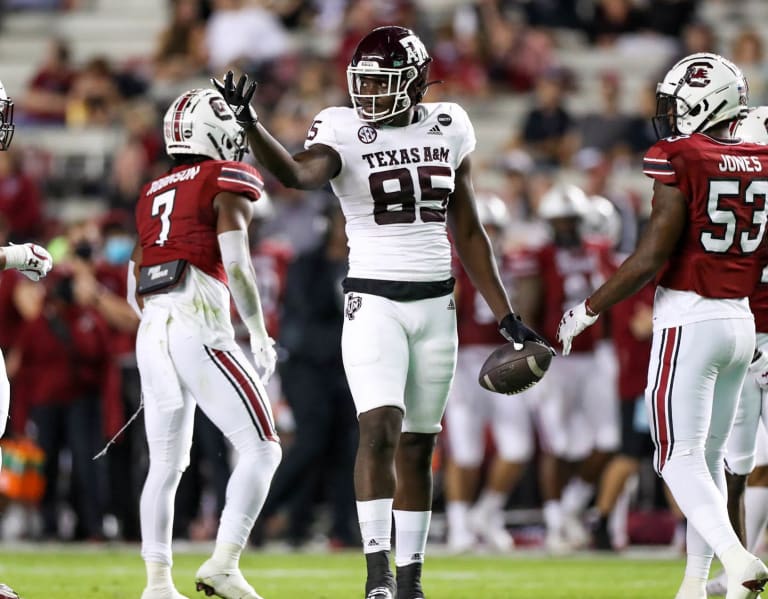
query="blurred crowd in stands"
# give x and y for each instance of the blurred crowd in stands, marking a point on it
(69, 342)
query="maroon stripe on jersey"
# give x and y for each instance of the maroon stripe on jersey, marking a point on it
(662, 407)
(177, 116)
(248, 391)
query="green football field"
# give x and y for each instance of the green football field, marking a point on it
(73, 572)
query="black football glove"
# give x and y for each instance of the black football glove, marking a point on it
(515, 331)
(238, 97)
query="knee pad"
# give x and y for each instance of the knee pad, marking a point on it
(266, 455)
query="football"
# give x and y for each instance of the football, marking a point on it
(7, 592)
(509, 371)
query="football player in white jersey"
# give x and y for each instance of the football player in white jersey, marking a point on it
(32, 260)
(402, 173)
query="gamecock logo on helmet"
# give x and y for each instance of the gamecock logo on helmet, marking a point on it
(698, 75)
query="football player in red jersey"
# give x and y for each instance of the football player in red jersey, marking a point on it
(745, 456)
(30, 259)
(577, 408)
(705, 242)
(471, 410)
(191, 254)
(401, 170)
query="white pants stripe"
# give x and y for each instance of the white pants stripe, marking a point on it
(663, 430)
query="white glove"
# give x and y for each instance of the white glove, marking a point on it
(574, 321)
(759, 369)
(30, 259)
(264, 355)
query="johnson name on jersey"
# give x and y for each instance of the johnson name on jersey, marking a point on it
(725, 184)
(394, 187)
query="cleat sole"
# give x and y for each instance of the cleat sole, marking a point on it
(208, 590)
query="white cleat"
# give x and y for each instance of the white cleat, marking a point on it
(750, 583)
(460, 541)
(489, 527)
(227, 584)
(162, 593)
(717, 586)
(575, 532)
(556, 544)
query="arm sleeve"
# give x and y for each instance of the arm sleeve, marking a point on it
(242, 279)
(657, 164)
(131, 288)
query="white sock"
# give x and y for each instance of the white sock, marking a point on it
(156, 512)
(247, 490)
(491, 502)
(576, 496)
(694, 489)
(158, 575)
(553, 516)
(617, 519)
(411, 530)
(457, 513)
(755, 515)
(375, 519)
(227, 555)
(697, 564)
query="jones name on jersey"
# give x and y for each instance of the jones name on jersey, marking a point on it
(394, 186)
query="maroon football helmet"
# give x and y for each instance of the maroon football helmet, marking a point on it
(396, 58)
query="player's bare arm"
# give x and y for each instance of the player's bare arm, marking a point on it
(308, 169)
(472, 244)
(659, 239)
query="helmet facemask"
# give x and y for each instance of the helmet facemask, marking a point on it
(396, 99)
(6, 122)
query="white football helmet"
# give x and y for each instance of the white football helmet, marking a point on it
(201, 122)
(564, 201)
(6, 119)
(603, 220)
(491, 210)
(700, 91)
(754, 126)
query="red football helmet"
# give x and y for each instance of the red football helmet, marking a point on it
(397, 61)
(6, 119)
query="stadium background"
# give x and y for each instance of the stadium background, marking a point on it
(556, 90)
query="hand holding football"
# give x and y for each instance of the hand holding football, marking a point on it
(509, 371)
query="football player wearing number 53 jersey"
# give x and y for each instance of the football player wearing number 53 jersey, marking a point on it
(191, 255)
(705, 241)
(401, 171)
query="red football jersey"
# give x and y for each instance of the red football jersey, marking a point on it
(720, 252)
(569, 276)
(175, 217)
(633, 354)
(758, 302)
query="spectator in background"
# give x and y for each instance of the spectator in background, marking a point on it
(20, 198)
(669, 17)
(606, 128)
(95, 97)
(517, 55)
(548, 129)
(749, 53)
(640, 133)
(138, 158)
(46, 99)
(69, 343)
(244, 36)
(316, 389)
(458, 62)
(611, 19)
(181, 51)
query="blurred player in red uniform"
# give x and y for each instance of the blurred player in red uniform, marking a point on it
(471, 410)
(192, 253)
(577, 410)
(705, 241)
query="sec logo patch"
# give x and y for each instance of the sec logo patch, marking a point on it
(366, 134)
(444, 119)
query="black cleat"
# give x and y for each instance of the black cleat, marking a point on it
(409, 581)
(601, 538)
(381, 581)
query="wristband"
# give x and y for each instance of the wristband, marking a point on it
(588, 308)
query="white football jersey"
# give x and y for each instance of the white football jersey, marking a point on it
(394, 186)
